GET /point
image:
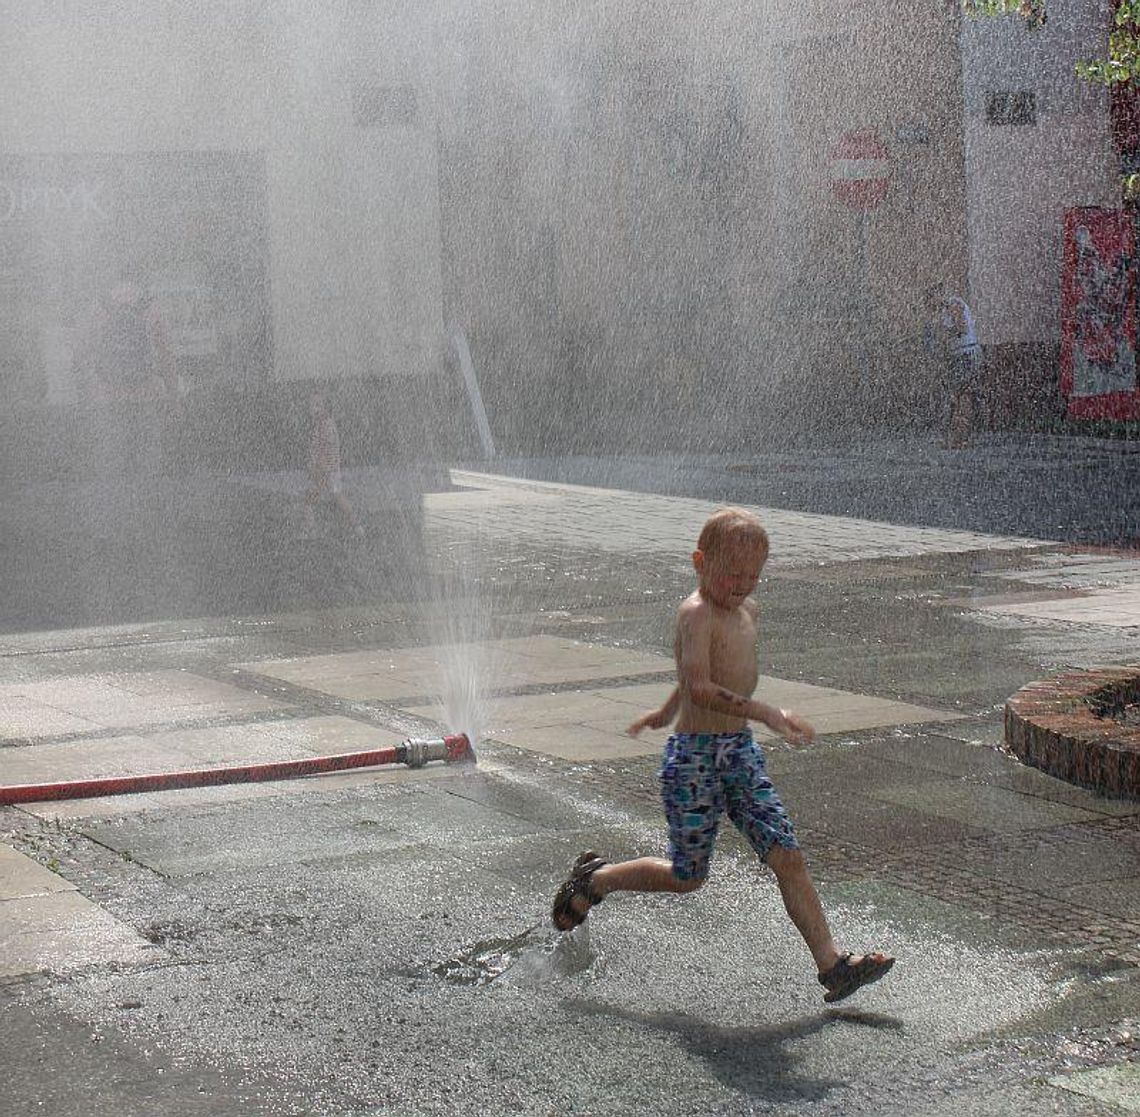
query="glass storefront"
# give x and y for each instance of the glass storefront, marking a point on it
(189, 227)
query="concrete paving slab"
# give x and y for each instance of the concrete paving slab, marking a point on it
(391, 674)
(1069, 570)
(980, 599)
(92, 759)
(626, 522)
(986, 808)
(531, 711)
(375, 688)
(579, 742)
(544, 808)
(547, 674)
(830, 807)
(391, 774)
(330, 735)
(21, 877)
(24, 718)
(116, 806)
(412, 813)
(62, 932)
(984, 763)
(1116, 896)
(1026, 781)
(940, 753)
(1118, 1086)
(556, 651)
(1118, 608)
(406, 662)
(219, 746)
(840, 764)
(109, 1073)
(70, 704)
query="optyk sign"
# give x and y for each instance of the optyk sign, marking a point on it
(26, 199)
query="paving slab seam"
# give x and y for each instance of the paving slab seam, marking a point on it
(221, 721)
(937, 875)
(977, 894)
(306, 700)
(122, 886)
(531, 689)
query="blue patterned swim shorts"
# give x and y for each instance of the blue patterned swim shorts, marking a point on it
(705, 775)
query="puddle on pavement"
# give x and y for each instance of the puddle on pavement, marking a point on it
(538, 954)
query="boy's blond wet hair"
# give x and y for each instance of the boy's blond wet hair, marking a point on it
(729, 527)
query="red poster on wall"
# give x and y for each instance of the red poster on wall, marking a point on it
(1098, 315)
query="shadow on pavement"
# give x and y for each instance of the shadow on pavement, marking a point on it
(750, 1059)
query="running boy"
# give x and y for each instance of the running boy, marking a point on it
(712, 765)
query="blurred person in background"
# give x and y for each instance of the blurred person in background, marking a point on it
(953, 337)
(324, 466)
(133, 377)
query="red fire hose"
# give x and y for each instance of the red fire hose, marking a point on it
(412, 752)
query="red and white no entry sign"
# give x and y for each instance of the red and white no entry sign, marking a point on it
(859, 166)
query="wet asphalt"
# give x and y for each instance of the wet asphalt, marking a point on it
(385, 950)
(1077, 489)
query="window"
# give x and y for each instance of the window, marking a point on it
(1011, 108)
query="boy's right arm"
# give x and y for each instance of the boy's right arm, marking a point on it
(659, 718)
(695, 632)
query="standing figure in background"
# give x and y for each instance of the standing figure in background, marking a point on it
(134, 378)
(953, 337)
(324, 466)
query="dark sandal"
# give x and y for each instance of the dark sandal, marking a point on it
(844, 978)
(578, 883)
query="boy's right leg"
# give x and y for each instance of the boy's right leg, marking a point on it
(693, 806)
(644, 874)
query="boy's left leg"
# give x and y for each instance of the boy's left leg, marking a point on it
(801, 901)
(756, 810)
(839, 973)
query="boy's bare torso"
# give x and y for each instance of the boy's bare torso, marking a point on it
(731, 660)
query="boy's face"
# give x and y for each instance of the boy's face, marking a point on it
(729, 574)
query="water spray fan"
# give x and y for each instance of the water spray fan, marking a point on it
(415, 752)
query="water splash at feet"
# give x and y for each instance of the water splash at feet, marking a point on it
(535, 956)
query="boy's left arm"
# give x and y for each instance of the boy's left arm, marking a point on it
(659, 718)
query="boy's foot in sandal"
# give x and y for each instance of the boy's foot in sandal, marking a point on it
(852, 972)
(578, 886)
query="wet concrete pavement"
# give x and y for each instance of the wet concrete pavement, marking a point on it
(376, 942)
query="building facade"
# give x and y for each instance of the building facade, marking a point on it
(1038, 143)
(269, 172)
